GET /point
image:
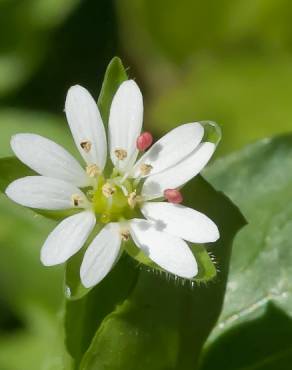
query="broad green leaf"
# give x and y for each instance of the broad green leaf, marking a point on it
(254, 330)
(115, 74)
(93, 307)
(163, 322)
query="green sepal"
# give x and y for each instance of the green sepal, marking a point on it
(206, 264)
(115, 74)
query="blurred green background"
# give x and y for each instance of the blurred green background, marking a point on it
(229, 61)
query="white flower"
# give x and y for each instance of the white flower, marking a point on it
(119, 199)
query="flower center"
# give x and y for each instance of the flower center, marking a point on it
(113, 201)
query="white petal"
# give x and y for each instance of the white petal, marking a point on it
(125, 122)
(101, 255)
(44, 193)
(48, 158)
(167, 251)
(67, 238)
(184, 222)
(86, 125)
(171, 148)
(179, 174)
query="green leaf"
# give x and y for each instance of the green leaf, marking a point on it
(163, 322)
(255, 326)
(93, 307)
(115, 74)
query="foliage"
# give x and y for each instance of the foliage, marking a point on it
(225, 61)
(257, 307)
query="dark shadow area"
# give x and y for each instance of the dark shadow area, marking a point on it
(9, 321)
(261, 344)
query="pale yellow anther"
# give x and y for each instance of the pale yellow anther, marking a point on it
(125, 235)
(133, 199)
(145, 169)
(76, 199)
(121, 154)
(108, 190)
(92, 170)
(86, 145)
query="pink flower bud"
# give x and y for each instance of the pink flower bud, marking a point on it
(144, 141)
(173, 196)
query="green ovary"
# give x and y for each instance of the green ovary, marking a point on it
(112, 208)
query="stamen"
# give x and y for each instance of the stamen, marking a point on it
(86, 145)
(108, 190)
(144, 141)
(92, 170)
(121, 154)
(145, 169)
(173, 196)
(132, 199)
(76, 199)
(125, 235)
